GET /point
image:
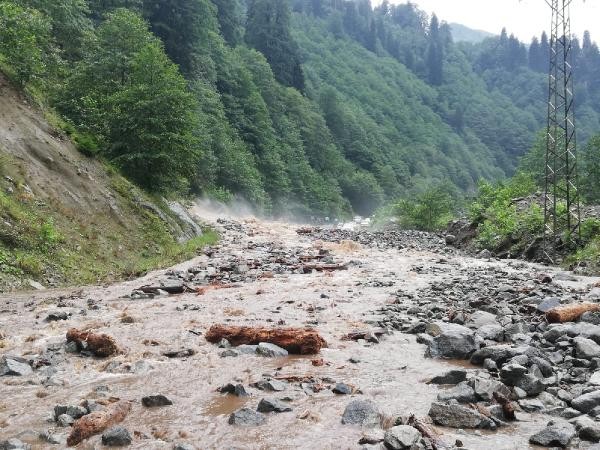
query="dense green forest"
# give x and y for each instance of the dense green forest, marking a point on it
(301, 107)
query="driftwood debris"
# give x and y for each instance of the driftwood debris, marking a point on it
(171, 289)
(294, 340)
(434, 439)
(97, 422)
(508, 407)
(570, 313)
(99, 344)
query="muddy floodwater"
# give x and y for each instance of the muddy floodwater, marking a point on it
(392, 373)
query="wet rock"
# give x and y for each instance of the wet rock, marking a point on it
(586, 402)
(462, 393)
(229, 353)
(532, 405)
(401, 437)
(587, 428)
(14, 366)
(55, 316)
(246, 349)
(453, 376)
(156, 400)
(451, 341)
(246, 417)
(372, 437)
(595, 378)
(361, 412)
(270, 385)
(454, 415)
(116, 437)
(267, 405)
(556, 434)
(14, 444)
(183, 447)
(485, 388)
(235, 389)
(179, 353)
(270, 350)
(65, 420)
(492, 332)
(224, 343)
(586, 348)
(342, 389)
(75, 411)
(497, 353)
(511, 374)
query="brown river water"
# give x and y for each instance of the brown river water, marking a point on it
(392, 373)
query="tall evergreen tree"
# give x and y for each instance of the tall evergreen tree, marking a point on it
(230, 20)
(268, 31)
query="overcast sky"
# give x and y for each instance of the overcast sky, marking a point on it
(524, 18)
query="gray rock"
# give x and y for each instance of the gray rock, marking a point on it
(116, 437)
(401, 437)
(342, 389)
(55, 316)
(14, 444)
(361, 412)
(270, 350)
(511, 374)
(270, 385)
(235, 389)
(556, 434)
(497, 353)
(454, 415)
(532, 405)
(480, 318)
(183, 447)
(491, 332)
(586, 348)
(65, 420)
(246, 417)
(246, 349)
(372, 437)
(75, 411)
(595, 378)
(462, 393)
(451, 341)
(586, 402)
(587, 428)
(267, 405)
(152, 401)
(453, 376)
(591, 317)
(548, 303)
(54, 438)
(14, 366)
(484, 388)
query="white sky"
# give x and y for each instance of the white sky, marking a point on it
(524, 18)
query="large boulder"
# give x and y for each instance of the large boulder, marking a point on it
(454, 415)
(586, 402)
(15, 366)
(556, 434)
(586, 348)
(451, 341)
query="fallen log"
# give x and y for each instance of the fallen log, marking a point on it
(508, 407)
(434, 439)
(170, 289)
(570, 313)
(294, 340)
(99, 344)
(96, 422)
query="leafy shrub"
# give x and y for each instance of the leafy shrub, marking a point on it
(428, 210)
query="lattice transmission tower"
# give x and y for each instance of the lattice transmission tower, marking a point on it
(562, 216)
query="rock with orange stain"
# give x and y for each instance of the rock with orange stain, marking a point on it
(97, 422)
(294, 340)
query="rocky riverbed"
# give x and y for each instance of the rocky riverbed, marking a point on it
(412, 345)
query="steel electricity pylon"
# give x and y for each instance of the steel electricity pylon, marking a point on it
(562, 216)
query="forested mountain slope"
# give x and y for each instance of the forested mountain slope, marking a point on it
(301, 107)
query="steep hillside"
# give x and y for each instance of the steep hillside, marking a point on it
(462, 33)
(66, 218)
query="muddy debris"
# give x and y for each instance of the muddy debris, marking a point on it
(96, 422)
(294, 340)
(98, 344)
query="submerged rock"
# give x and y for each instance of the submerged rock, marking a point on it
(361, 412)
